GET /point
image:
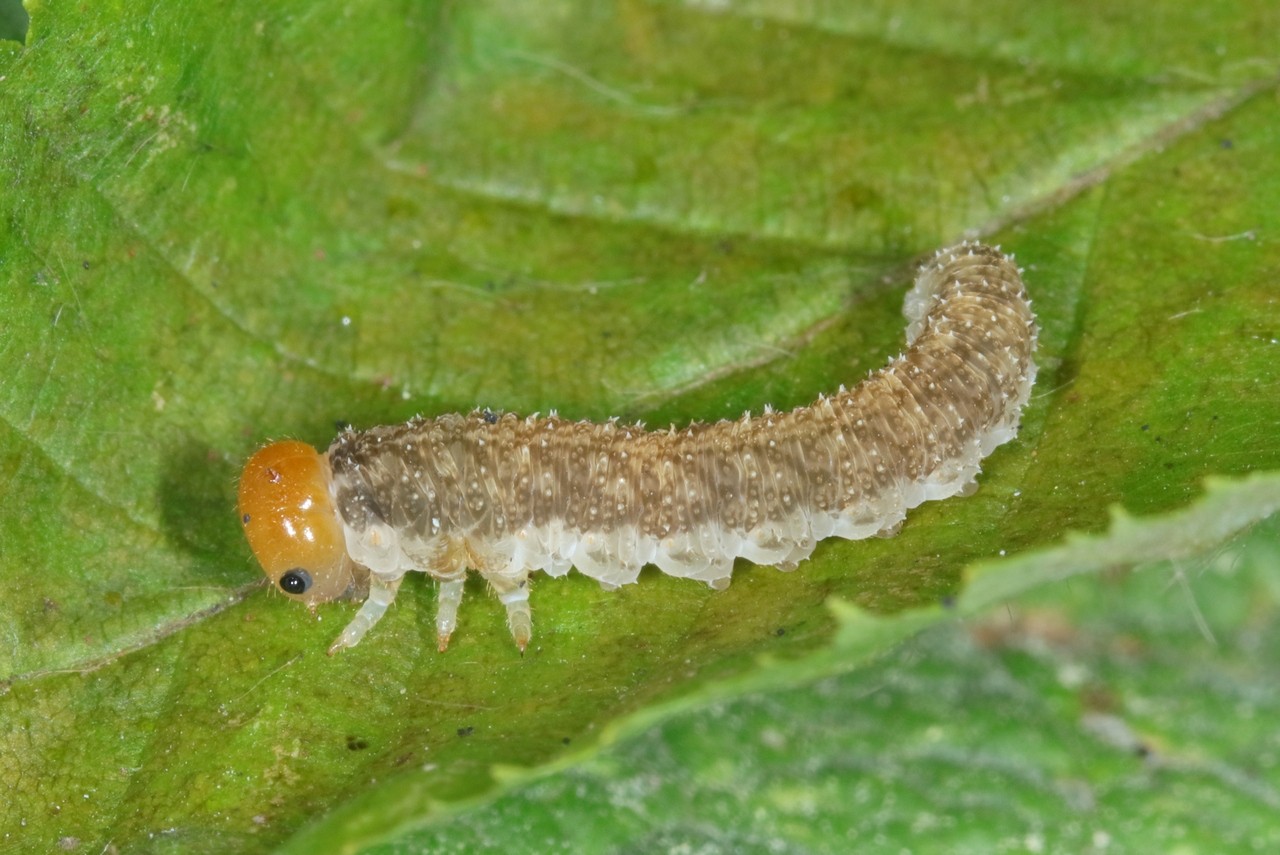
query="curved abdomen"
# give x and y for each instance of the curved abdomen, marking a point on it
(507, 495)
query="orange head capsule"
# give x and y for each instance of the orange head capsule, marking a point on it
(291, 523)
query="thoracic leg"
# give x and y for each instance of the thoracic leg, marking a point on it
(514, 594)
(382, 592)
(447, 609)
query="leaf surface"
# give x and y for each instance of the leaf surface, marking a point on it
(228, 225)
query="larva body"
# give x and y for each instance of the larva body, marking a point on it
(506, 496)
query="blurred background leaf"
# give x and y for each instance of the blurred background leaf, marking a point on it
(223, 225)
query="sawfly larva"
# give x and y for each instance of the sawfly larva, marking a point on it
(506, 496)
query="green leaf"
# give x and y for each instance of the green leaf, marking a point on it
(223, 225)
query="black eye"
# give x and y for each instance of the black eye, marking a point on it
(295, 581)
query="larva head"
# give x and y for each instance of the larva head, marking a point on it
(291, 523)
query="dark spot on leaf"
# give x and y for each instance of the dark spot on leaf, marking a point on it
(355, 743)
(466, 731)
(644, 168)
(859, 196)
